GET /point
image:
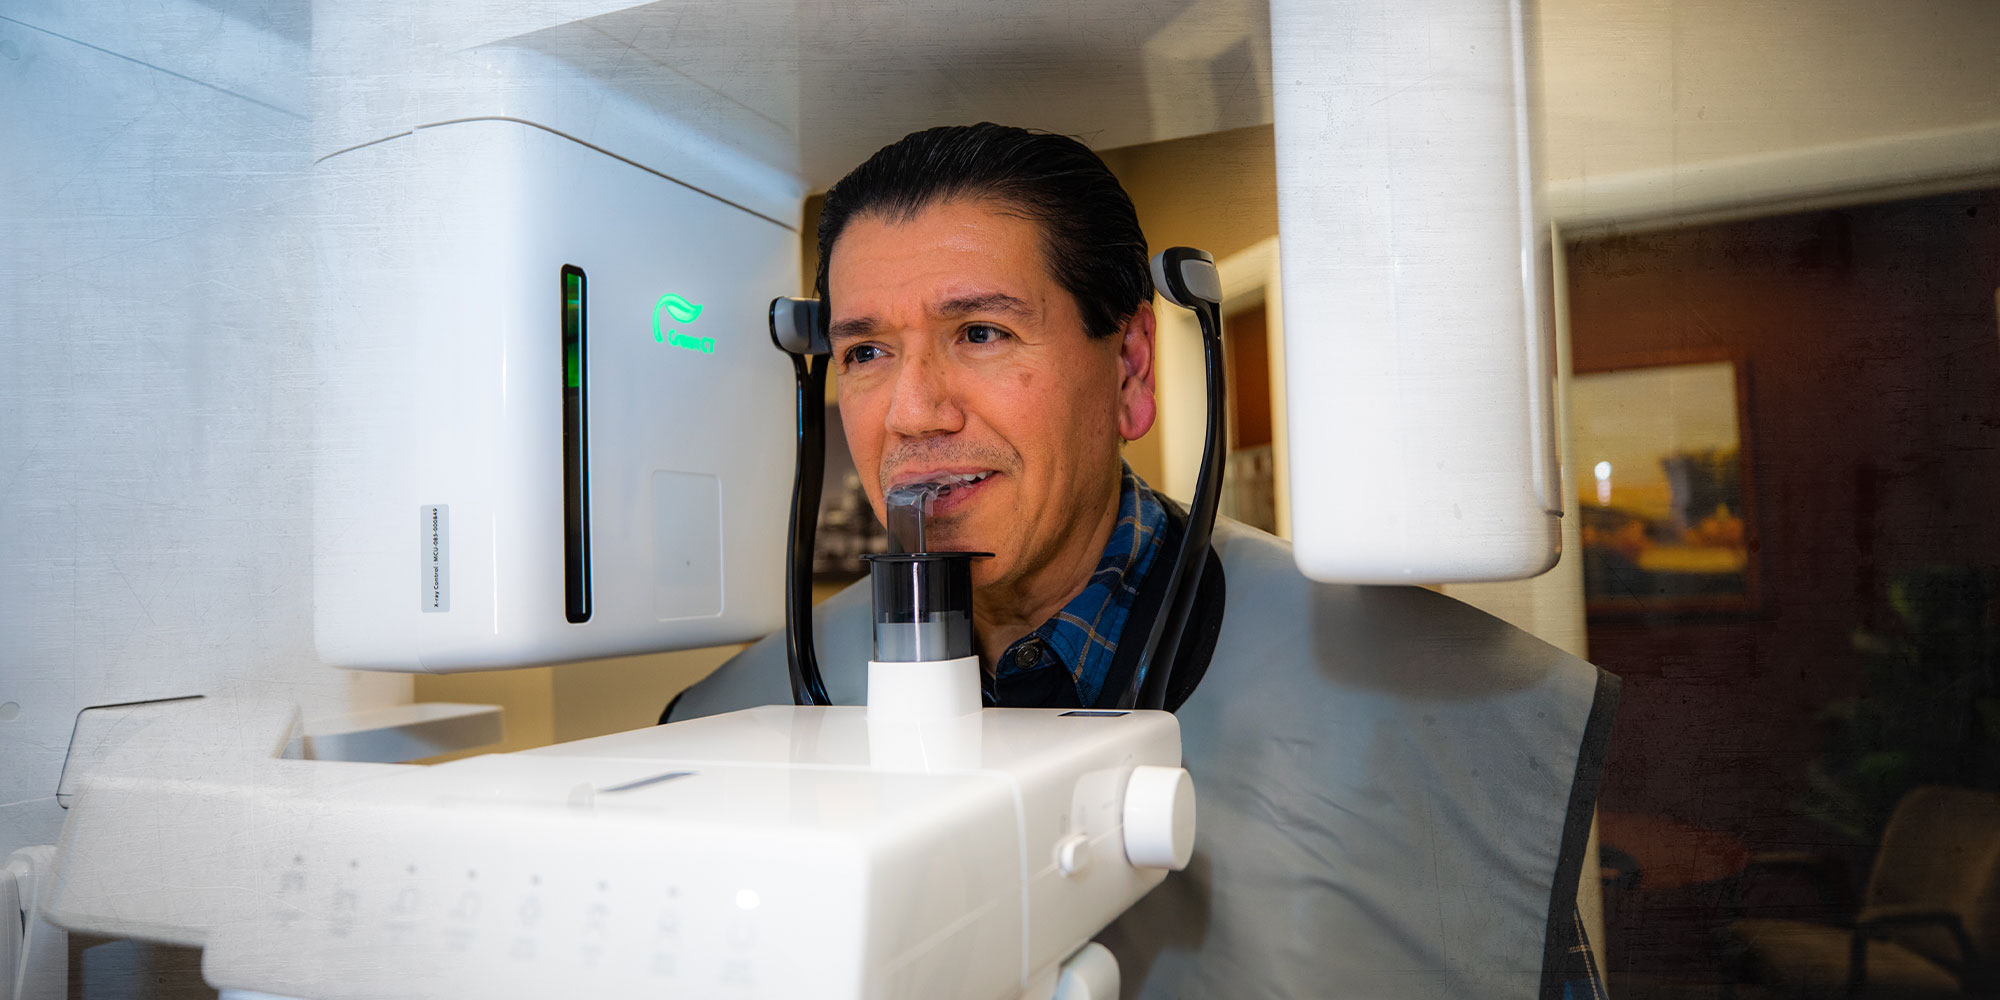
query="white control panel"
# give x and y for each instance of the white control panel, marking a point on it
(776, 852)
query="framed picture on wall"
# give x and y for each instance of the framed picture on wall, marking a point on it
(1663, 475)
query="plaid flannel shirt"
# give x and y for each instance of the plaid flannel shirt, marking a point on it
(1075, 647)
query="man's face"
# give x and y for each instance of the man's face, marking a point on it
(960, 356)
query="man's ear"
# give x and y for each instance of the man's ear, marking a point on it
(1136, 405)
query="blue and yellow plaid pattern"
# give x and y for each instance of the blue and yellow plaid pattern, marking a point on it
(1082, 638)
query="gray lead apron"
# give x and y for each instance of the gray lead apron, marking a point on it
(1393, 790)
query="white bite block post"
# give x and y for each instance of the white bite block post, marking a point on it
(923, 691)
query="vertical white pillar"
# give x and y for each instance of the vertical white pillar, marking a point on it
(1416, 284)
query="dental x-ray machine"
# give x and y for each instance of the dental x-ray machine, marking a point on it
(551, 428)
(492, 377)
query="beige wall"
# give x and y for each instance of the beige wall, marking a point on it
(1662, 112)
(1641, 84)
(1217, 192)
(526, 698)
(809, 243)
(573, 701)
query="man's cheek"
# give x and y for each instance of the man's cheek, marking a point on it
(864, 439)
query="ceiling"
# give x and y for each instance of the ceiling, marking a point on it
(835, 81)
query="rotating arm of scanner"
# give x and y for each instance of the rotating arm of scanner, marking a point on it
(1187, 278)
(796, 329)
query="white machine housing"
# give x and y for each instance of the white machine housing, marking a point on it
(439, 493)
(778, 852)
(1418, 346)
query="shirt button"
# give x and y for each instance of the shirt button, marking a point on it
(1028, 653)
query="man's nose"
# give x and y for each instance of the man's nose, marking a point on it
(924, 403)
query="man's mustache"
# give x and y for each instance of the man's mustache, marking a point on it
(932, 454)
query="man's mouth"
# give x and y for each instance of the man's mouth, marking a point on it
(953, 488)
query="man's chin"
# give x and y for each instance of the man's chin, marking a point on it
(946, 539)
(959, 535)
(987, 572)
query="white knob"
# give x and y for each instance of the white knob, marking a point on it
(1159, 817)
(1073, 854)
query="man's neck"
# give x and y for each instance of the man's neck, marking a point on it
(1004, 612)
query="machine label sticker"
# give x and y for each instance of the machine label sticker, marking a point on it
(434, 557)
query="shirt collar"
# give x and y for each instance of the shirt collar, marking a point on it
(1082, 639)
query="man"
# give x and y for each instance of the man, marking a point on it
(1393, 788)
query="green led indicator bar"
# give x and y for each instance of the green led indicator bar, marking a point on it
(680, 310)
(572, 281)
(576, 450)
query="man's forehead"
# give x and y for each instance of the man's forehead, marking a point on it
(947, 260)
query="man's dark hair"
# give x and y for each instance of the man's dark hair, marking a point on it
(1091, 241)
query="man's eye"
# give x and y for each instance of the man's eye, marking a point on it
(980, 333)
(861, 354)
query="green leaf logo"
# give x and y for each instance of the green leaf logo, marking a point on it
(679, 308)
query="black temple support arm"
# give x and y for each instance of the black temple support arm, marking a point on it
(798, 330)
(1187, 278)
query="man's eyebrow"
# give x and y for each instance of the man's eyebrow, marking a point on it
(850, 329)
(999, 302)
(861, 327)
